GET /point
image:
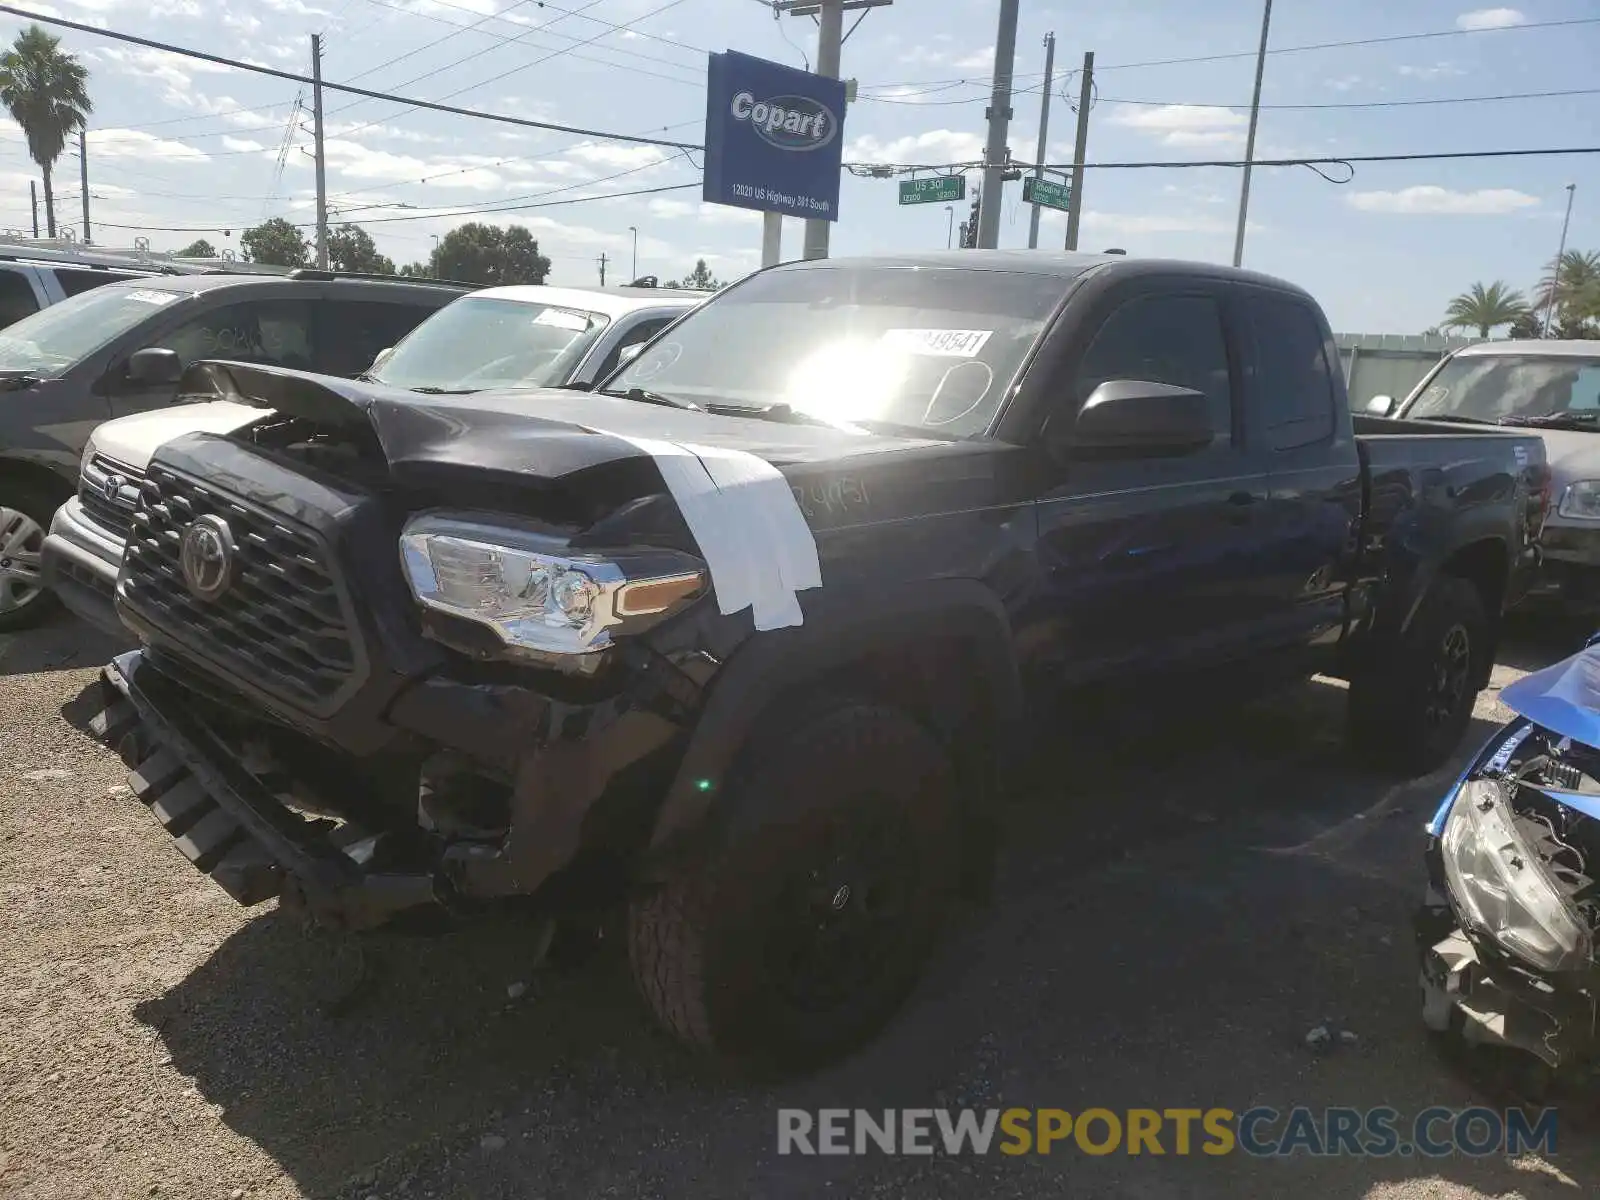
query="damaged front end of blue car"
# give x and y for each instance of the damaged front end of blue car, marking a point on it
(1510, 926)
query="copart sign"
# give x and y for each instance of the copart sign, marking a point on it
(774, 136)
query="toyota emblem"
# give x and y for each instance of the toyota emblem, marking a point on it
(205, 556)
(111, 488)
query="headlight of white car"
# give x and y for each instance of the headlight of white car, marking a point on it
(1500, 885)
(1581, 501)
(89, 451)
(534, 593)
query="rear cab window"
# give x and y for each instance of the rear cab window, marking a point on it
(1293, 379)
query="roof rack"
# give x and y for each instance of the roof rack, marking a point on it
(10, 252)
(314, 273)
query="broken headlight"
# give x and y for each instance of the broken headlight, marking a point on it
(1500, 886)
(536, 594)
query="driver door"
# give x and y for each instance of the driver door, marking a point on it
(1147, 562)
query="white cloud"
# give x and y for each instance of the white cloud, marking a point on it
(135, 143)
(174, 72)
(1441, 70)
(711, 214)
(355, 161)
(1490, 18)
(981, 59)
(1431, 200)
(936, 146)
(241, 145)
(978, 60)
(1346, 83)
(1186, 124)
(611, 154)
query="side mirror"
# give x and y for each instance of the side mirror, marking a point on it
(1381, 406)
(154, 366)
(1136, 418)
(628, 353)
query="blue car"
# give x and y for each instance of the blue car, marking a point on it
(1508, 928)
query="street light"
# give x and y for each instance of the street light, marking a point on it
(634, 229)
(950, 222)
(1555, 274)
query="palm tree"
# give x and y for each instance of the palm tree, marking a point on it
(1574, 281)
(1484, 308)
(46, 92)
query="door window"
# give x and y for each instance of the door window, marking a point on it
(16, 297)
(276, 332)
(1176, 340)
(638, 335)
(74, 280)
(351, 333)
(1292, 375)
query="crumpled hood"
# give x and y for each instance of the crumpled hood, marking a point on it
(1564, 698)
(549, 434)
(131, 440)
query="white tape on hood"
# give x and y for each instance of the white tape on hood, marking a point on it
(752, 534)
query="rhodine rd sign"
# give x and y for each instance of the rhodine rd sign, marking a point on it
(774, 136)
(787, 122)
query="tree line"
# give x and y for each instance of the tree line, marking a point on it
(1569, 297)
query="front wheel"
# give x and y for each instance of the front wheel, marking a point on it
(1411, 708)
(24, 519)
(801, 937)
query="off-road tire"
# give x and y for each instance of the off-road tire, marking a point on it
(32, 502)
(1397, 719)
(701, 945)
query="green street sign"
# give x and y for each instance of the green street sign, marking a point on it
(1046, 192)
(941, 189)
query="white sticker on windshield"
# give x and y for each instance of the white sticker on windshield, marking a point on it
(562, 319)
(945, 343)
(146, 296)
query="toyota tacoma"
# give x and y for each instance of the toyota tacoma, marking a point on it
(738, 642)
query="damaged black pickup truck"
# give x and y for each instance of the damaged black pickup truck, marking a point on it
(740, 640)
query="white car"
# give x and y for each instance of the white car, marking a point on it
(1548, 387)
(498, 338)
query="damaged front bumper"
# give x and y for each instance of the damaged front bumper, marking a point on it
(243, 826)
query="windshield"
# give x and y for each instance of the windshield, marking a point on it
(55, 339)
(1512, 388)
(482, 342)
(929, 348)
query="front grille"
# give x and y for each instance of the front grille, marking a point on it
(280, 624)
(111, 513)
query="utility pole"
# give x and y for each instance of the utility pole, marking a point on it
(634, 229)
(1044, 131)
(997, 155)
(830, 37)
(1561, 251)
(33, 197)
(1250, 137)
(602, 269)
(322, 166)
(1079, 149)
(83, 181)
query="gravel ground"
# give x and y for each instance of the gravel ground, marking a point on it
(1183, 897)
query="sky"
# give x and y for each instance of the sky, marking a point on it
(180, 148)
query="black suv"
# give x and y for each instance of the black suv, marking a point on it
(122, 347)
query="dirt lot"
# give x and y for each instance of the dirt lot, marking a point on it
(1182, 899)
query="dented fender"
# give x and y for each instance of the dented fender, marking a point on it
(835, 635)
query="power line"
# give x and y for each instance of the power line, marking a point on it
(654, 191)
(292, 77)
(1368, 103)
(518, 39)
(494, 78)
(1202, 58)
(459, 30)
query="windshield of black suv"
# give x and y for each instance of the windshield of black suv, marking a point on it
(1513, 389)
(481, 342)
(932, 348)
(53, 340)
